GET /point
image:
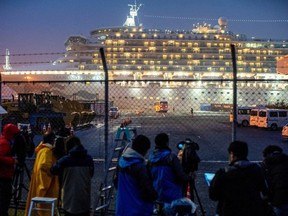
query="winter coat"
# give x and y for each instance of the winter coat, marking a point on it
(168, 175)
(238, 189)
(43, 183)
(135, 193)
(7, 161)
(276, 170)
(76, 170)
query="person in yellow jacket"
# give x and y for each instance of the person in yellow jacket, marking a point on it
(43, 183)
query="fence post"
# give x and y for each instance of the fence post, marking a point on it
(106, 107)
(234, 123)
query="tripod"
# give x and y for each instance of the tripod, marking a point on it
(193, 189)
(18, 184)
(192, 186)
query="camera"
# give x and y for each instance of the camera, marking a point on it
(190, 158)
(187, 142)
(23, 143)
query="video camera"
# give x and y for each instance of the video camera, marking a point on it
(187, 142)
(23, 143)
(190, 158)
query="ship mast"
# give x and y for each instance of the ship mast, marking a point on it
(130, 21)
(7, 65)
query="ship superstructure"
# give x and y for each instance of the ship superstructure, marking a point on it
(137, 53)
(162, 58)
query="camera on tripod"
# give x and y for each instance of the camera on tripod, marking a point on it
(23, 143)
(190, 158)
(190, 161)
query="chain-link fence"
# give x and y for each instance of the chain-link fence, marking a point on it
(194, 109)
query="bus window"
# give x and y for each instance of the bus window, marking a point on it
(262, 113)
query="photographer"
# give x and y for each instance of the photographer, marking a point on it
(167, 172)
(275, 165)
(7, 166)
(238, 187)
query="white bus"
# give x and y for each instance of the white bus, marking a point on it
(243, 115)
(272, 118)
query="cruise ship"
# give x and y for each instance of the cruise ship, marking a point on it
(197, 60)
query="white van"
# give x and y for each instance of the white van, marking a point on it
(272, 118)
(243, 115)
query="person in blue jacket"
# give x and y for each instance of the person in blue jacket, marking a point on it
(167, 172)
(135, 192)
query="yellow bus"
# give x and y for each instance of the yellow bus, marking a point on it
(161, 106)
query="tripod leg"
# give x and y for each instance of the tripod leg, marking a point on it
(27, 172)
(199, 201)
(15, 189)
(18, 184)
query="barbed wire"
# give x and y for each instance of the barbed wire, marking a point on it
(34, 54)
(21, 63)
(214, 19)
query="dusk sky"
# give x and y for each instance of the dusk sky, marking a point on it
(42, 26)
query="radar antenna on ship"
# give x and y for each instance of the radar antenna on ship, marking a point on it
(7, 65)
(130, 21)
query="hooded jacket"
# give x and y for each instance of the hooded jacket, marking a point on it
(76, 170)
(277, 174)
(135, 193)
(238, 189)
(7, 161)
(43, 183)
(168, 175)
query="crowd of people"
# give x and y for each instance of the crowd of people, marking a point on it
(62, 169)
(243, 188)
(148, 184)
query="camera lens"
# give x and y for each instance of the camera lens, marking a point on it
(180, 145)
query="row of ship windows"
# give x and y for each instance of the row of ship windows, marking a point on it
(211, 56)
(201, 40)
(182, 62)
(245, 47)
(246, 93)
(178, 62)
(194, 69)
(191, 50)
(173, 53)
(209, 62)
(208, 99)
(177, 55)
